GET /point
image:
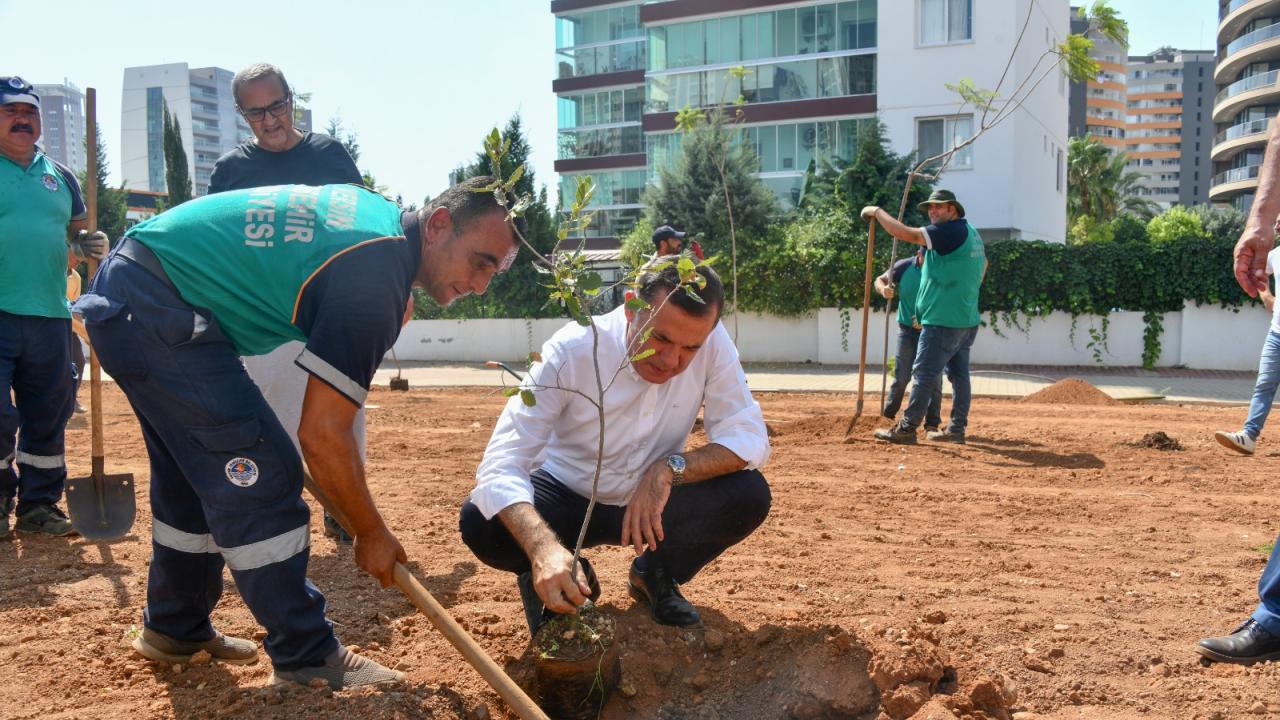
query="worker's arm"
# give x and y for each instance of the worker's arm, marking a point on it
(550, 561)
(884, 285)
(333, 457)
(904, 233)
(1259, 235)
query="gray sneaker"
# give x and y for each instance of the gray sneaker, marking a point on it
(47, 519)
(343, 669)
(6, 507)
(162, 648)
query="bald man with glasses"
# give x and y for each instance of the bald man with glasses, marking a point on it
(281, 154)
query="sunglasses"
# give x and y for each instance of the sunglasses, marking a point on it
(277, 109)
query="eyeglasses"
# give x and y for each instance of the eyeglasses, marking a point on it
(277, 109)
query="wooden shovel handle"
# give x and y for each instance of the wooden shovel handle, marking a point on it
(440, 618)
(91, 206)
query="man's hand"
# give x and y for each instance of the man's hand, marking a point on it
(90, 246)
(1251, 259)
(377, 554)
(869, 213)
(887, 291)
(642, 522)
(553, 579)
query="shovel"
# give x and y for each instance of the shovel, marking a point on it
(101, 505)
(866, 318)
(398, 382)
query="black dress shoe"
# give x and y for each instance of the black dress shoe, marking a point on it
(1250, 643)
(537, 614)
(656, 588)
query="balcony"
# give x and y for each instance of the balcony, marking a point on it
(1234, 139)
(1227, 185)
(576, 143)
(611, 57)
(1238, 13)
(1238, 95)
(1260, 45)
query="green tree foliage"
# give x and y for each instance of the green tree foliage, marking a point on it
(1176, 223)
(349, 141)
(517, 293)
(690, 196)
(1223, 224)
(637, 245)
(177, 176)
(1098, 184)
(112, 202)
(874, 176)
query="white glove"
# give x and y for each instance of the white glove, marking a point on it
(90, 246)
(869, 213)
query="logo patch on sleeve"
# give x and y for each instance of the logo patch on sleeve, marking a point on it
(242, 472)
(50, 182)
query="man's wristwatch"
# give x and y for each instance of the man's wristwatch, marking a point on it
(677, 464)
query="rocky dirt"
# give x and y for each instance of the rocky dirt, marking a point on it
(1048, 569)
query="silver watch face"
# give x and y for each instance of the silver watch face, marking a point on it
(676, 463)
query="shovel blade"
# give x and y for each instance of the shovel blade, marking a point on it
(102, 507)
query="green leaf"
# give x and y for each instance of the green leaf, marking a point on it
(636, 304)
(515, 176)
(526, 396)
(686, 265)
(591, 282)
(643, 354)
(509, 391)
(688, 290)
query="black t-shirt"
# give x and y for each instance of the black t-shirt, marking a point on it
(900, 268)
(351, 309)
(947, 237)
(315, 160)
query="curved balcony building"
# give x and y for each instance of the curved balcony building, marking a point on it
(1248, 80)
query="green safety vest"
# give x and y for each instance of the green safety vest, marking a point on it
(908, 292)
(247, 255)
(949, 284)
(35, 209)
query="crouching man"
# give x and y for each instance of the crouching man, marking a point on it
(678, 510)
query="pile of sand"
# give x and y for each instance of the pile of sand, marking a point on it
(1070, 391)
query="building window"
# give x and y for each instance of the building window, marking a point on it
(1057, 173)
(945, 21)
(934, 136)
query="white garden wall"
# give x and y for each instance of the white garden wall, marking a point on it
(1207, 338)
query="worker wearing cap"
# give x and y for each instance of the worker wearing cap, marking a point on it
(41, 212)
(669, 241)
(955, 263)
(172, 310)
(281, 154)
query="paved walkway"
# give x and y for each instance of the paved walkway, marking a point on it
(1176, 385)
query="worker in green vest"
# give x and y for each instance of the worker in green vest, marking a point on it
(175, 306)
(955, 263)
(903, 282)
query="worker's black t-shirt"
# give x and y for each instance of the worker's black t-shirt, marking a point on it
(315, 160)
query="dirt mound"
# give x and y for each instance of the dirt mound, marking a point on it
(1158, 440)
(1070, 391)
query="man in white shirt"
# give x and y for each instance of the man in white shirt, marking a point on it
(678, 510)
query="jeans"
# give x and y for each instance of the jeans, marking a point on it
(908, 339)
(1264, 392)
(700, 521)
(941, 348)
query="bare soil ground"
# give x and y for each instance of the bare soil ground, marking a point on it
(1051, 568)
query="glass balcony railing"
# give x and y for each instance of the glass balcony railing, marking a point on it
(576, 143)
(1231, 7)
(1248, 172)
(1260, 35)
(1253, 127)
(600, 59)
(1255, 82)
(774, 82)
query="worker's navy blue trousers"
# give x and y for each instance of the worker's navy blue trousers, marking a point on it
(226, 480)
(35, 364)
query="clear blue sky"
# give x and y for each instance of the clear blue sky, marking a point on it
(420, 82)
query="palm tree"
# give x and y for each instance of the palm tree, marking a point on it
(1099, 186)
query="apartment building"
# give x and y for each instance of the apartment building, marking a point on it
(62, 125)
(1247, 76)
(817, 71)
(200, 99)
(1169, 124)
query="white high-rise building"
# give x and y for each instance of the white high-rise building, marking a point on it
(200, 99)
(62, 124)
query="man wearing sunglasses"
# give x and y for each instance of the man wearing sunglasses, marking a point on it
(280, 154)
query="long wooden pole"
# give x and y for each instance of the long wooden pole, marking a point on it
(97, 459)
(440, 618)
(866, 320)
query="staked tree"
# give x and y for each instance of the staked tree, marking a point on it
(177, 176)
(112, 202)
